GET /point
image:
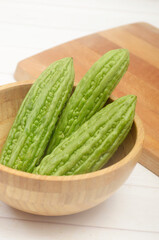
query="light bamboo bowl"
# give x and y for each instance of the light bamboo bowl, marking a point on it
(54, 195)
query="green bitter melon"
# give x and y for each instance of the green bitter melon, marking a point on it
(90, 94)
(37, 116)
(92, 145)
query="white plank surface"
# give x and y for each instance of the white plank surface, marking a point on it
(30, 26)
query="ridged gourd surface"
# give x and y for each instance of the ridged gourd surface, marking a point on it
(91, 146)
(37, 116)
(90, 94)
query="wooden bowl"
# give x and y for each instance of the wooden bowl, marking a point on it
(54, 195)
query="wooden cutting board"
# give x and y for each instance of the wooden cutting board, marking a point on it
(141, 79)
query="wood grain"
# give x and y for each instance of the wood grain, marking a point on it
(142, 40)
(54, 195)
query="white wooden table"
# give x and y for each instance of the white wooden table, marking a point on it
(30, 26)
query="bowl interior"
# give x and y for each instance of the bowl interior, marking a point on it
(10, 101)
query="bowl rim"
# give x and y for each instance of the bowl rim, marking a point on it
(130, 156)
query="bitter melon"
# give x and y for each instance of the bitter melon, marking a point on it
(90, 94)
(37, 116)
(92, 145)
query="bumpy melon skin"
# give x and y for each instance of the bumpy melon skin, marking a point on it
(37, 116)
(90, 94)
(92, 145)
